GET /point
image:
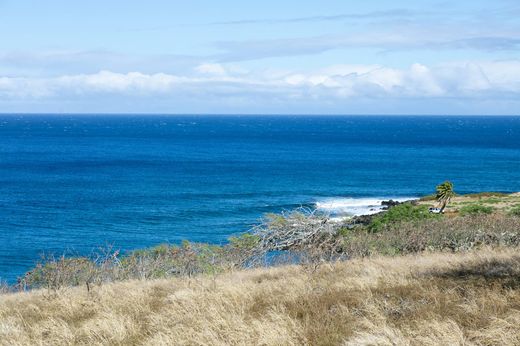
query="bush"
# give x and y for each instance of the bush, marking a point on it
(515, 211)
(244, 242)
(400, 213)
(172, 260)
(157, 262)
(55, 273)
(475, 209)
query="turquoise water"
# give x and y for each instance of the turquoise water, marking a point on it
(73, 183)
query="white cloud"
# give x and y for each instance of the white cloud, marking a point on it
(503, 74)
(477, 79)
(110, 82)
(211, 69)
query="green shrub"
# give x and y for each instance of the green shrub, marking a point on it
(515, 211)
(344, 231)
(54, 273)
(440, 234)
(244, 241)
(400, 213)
(152, 252)
(475, 209)
(492, 200)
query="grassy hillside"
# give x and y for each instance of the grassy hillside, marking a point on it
(489, 202)
(306, 238)
(403, 277)
(468, 298)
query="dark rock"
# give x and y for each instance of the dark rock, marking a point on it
(389, 204)
(364, 220)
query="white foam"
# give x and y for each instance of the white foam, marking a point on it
(340, 219)
(346, 206)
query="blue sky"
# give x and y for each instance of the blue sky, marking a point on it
(290, 57)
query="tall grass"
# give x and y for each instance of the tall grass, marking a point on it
(470, 298)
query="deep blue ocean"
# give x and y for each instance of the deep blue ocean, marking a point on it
(74, 183)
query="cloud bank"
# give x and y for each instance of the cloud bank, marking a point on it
(232, 88)
(471, 79)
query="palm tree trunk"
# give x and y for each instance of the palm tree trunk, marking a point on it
(444, 204)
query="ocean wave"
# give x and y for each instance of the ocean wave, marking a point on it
(349, 206)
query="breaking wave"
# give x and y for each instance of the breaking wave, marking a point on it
(347, 206)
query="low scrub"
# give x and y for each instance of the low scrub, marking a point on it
(515, 211)
(475, 209)
(452, 234)
(405, 212)
(296, 237)
(188, 259)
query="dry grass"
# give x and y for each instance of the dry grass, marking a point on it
(430, 299)
(499, 202)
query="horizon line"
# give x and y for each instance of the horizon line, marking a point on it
(255, 114)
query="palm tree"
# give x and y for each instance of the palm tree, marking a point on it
(444, 194)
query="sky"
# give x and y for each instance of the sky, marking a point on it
(263, 57)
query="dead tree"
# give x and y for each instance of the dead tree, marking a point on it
(303, 231)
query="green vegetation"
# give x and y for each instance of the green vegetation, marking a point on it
(515, 211)
(435, 234)
(474, 209)
(400, 213)
(492, 200)
(160, 261)
(244, 242)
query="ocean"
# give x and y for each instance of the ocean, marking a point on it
(70, 184)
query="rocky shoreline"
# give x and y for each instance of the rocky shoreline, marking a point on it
(365, 220)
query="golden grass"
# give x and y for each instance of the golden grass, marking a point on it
(430, 299)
